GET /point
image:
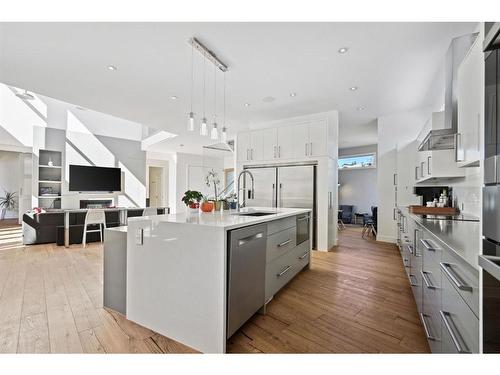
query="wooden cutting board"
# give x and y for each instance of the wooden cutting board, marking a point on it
(423, 210)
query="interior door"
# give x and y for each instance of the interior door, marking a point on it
(155, 186)
(296, 187)
(318, 139)
(264, 187)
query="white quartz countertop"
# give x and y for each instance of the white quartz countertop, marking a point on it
(225, 219)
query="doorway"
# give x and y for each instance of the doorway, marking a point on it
(155, 186)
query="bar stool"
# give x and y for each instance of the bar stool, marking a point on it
(150, 211)
(94, 217)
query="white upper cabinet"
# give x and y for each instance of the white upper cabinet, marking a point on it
(243, 146)
(270, 143)
(318, 139)
(285, 142)
(470, 82)
(250, 146)
(301, 141)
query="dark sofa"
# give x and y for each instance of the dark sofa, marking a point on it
(48, 227)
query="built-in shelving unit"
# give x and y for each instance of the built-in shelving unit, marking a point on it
(49, 179)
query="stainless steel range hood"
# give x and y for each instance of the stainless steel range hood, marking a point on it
(439, 137)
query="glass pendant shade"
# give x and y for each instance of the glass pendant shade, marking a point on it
(203, 127)
(191, 122)
(215, 133)
(224, 135)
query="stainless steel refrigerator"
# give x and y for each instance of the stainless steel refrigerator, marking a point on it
(292, 186)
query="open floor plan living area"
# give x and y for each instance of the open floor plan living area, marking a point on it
(249, 188)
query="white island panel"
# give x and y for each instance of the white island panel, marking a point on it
(176, 282)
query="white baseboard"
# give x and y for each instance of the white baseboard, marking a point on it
(386, 239)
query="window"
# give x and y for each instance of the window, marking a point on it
(357, 161)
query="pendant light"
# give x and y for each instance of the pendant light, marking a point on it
(203, 127)
(190, 124)
(224, 130)
(214, 134)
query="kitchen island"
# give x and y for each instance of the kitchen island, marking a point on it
(197, 277)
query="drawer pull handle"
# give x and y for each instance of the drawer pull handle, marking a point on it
(426, 329)
(285, 270)
(304, 255)
(446, 267)
(429, 245)
(456, 337)
(427, 282)
(411, 281)
(410, 249)
(303, 218)
(250, 238)
(284, 243)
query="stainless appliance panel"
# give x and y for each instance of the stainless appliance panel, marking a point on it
(490, 170)
(491, 212)
(296, 187)
(264, 187)
(303, 229)
(246, 275)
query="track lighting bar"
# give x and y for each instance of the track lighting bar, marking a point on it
(208, 54)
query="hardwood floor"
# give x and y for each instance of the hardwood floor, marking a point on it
(355, 299)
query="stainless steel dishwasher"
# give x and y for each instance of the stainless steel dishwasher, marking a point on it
(246, 274)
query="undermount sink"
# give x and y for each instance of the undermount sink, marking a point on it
(253, 213)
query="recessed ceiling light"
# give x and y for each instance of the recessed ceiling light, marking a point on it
(293, 94)
(268, 99)
(343, 50)
(353, 88)
(112, 67)
(173, 97)
(181, 145)
(360, 108)
(247, 104)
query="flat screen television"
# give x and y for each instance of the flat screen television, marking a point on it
(88, 178)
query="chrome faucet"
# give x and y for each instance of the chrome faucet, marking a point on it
(244, 189)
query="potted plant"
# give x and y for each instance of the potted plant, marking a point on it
(192, 199)
(207, 205)
(7, 203)
(212, 180)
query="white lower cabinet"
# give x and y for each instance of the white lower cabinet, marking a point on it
(445, 289)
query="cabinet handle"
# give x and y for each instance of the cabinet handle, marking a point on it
(274, 152)
(329, 199)
(429, 164)
(251, 153)
(428, 284)
(410, 249)
(426, 329)
(284, 243)
(253, 237)
(306, 149)
(310, 149)
(394, 178)
(394, 213)
(285, 270)
(428, 246)
(451, 328)
(416, 173)
(304, 255)
(446, 267)
(279, 151)
(411, 282)
(422, 169)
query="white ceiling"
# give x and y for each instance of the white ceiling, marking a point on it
(392, 64)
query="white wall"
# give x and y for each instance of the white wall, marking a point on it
(393, 129)
(358, 187)
(11, 177)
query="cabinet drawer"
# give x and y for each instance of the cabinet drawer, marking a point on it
(282, 224)
(302, 254)
(432, 254)
(460, 327)
(431, 319)
(463, 277)
(280, 243)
